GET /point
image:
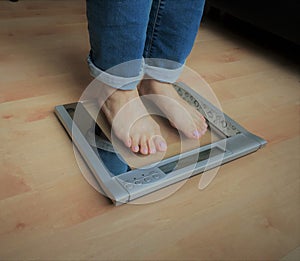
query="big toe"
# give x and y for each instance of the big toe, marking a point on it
(160, 143)
(125, 138)
(195, 130)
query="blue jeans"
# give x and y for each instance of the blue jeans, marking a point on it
(133, 38)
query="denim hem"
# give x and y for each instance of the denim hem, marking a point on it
(162, 74)
(114, 81)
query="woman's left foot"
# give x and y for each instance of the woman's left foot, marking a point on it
(181, 115)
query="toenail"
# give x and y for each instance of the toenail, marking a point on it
(196, 134)
(152, 151)
(163, 145)
(135, 148)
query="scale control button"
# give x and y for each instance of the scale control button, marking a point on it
(129, 185)
(210, 114)
(156, 176)
(233, 127)
(179, 92)
(147, 179)
(224, 124)
(138, 182)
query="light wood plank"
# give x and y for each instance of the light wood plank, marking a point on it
(49, 211)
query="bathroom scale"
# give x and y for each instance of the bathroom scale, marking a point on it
(124, 176)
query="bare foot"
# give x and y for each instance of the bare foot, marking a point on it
(131, 122)
(181, 115)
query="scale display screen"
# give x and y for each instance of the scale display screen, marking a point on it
(190, 160)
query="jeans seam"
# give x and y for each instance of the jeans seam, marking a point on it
(153, 29)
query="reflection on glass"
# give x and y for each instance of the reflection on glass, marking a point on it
(112, 160)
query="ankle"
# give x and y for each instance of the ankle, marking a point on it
(151, 86)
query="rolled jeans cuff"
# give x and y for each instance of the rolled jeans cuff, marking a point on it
(118, 82)
(162, 74)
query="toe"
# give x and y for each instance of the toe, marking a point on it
(160, 143)
(198, 128)
(151, 146)
(203, 125)
(143, 145)
(135, 143)
(127, 141)
(196, 134)
(123, 136)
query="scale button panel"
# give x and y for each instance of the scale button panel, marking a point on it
(140, 177)
(213, 115)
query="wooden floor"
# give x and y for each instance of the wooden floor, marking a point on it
(47, 209)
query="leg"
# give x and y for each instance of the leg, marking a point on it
(117, 32)
(172, 29)
(171, 32)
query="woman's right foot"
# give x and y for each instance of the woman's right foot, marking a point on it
(131, 122)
